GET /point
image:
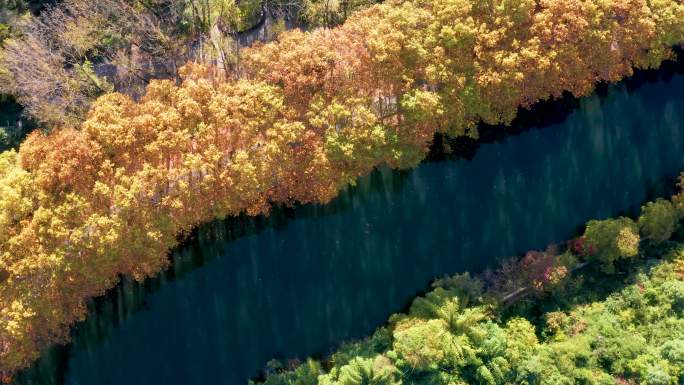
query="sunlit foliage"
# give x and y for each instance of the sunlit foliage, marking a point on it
(633, 335)
(658, 220)
(613, 239)
(297, 121)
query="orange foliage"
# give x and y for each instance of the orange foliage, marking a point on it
(305, 116)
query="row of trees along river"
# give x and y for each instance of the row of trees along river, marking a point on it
(243, 291)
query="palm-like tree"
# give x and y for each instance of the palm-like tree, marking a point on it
(367, 371)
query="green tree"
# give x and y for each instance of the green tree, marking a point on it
(368, 371)
(4, 139)
(613, 239)
(423, 345)
(658, 220)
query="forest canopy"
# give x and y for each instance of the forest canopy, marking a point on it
(297, 120)
(57, 58)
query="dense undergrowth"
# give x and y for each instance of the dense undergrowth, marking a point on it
(609, 309)
(295, 122)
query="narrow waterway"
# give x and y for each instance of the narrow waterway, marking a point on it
(299, 283)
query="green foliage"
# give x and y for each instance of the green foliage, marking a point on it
(290, 121)
(613, 239)
(368, 371)
(5, 33)
(96, 85)
(305, 374)
(4, 139)
(422, 106)
(231, 15)
(380, 342)
(633, 335)
(658, 220)
(423, 345)
(469, 290)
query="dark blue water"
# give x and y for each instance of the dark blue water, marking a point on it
(14, 126)
(245, 291)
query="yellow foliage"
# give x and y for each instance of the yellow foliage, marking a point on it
(307, 115)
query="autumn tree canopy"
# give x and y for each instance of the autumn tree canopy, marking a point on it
(299, 119)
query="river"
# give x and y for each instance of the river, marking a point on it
(243, 291)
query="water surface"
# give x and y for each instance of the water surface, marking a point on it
(14, 125)
(244, 291)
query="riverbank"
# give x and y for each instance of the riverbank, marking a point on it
(370, 251)
(88, 205)
(608, 323)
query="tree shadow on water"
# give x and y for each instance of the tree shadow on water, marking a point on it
(550, 112)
